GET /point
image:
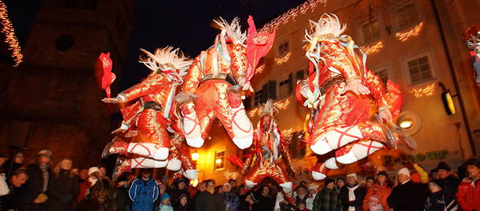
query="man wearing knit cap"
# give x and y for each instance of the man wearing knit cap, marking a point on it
(449, 182)
(353, 194)
(407, 195)
(231, 199)
(327, 198)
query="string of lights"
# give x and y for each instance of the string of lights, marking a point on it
(404, 36)
(291, 15)
(10, 38)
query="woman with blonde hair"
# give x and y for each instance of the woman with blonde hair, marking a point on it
(63, 186)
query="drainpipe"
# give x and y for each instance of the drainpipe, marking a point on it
(454, 77)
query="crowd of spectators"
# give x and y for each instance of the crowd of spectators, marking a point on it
(43, 186)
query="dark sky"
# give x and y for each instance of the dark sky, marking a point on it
(186, 25)
(158, 23)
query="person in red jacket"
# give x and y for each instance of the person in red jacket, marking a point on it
(380, 190)
(468, 194)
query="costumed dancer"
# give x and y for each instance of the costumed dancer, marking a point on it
(341, 91)
(214, 84)
(265, 155)
(151, 121)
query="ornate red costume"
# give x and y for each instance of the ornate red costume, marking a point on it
(216, 80)
(268, 149)
(151, 120)
(341, 91)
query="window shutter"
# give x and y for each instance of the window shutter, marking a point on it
(265, 93)
(290, 83)
(272, 90)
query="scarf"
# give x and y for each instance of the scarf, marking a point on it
(351, 195)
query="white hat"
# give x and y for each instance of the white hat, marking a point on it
(92, 170)
(312, 187)
(352, 175)
(404, 171)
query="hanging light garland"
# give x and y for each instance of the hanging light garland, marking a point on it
(291, 14)
(372, 48)
(10, 38)
(415, 31)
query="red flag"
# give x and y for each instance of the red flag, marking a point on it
(258, 45)
(103, 72)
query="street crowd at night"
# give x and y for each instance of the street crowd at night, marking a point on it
(69, 188)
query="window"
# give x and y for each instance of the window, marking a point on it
(383, 74)
(283, 48)
(419, 69)
(257, 100)
(407, 16)
(284, 88)
(370, 31)
(219, 160)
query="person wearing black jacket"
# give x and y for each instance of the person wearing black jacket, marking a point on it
(448, 181)
(15, 199)
(407, 195)
(208, 200)
(63, 187)
(352, 194)
(37, 184)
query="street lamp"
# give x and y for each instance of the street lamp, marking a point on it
(218, 161)
(195, 155)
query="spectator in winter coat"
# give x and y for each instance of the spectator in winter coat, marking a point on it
(407, 195)
(438, 200)
(62, 187)
(184, 204)
(302, 195)
(381, 189)
(352, 194)
(143, 191)
(312, 192)
(209, 200)
(165, 204)
(340, 184)
(180, 187)
(327, 199)
(37, 184)
(449, 182)
(14, 163)
(468, 195)
(231, 200)
(15, 199)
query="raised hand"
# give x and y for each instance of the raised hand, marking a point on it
(356, 87)
(385, 115)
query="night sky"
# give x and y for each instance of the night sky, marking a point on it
(181, 24)
(186, 25)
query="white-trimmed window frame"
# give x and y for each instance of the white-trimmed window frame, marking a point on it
(279, 93)
(431, 62)
(281, 42)
(362, 35)
(219, 150)
(396, 16)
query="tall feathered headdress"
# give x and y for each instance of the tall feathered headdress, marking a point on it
(233, 30)
(327, 27)
(167, 60)
(269, 108)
